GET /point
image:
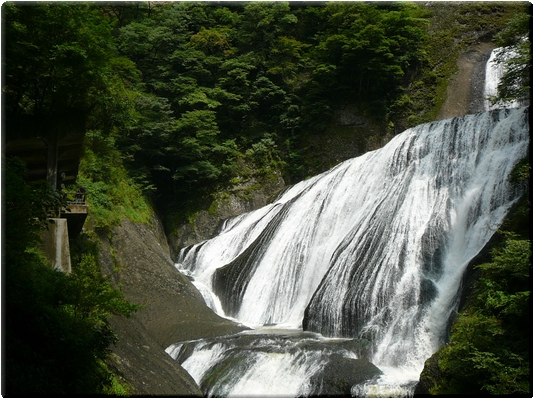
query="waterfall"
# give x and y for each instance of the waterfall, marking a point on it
(443, 193)
(273, 362)
(373, 249)
(493, 73)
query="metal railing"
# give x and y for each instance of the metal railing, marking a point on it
(79, 201)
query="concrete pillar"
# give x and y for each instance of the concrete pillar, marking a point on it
(52, 162)
(56, 245)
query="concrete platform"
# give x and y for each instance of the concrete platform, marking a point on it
(75, 214)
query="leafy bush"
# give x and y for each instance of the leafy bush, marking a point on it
(111, 193)
(489, 349)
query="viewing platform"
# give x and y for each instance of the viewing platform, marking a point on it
(75, 213)
(60, 230)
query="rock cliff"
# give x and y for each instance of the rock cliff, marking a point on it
(136, 257)
(237, 200)
(465, 89)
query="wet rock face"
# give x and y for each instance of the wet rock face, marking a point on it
(145, 366)
(340, 374)
(465, 89)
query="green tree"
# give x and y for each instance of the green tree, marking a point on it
(373, 46)
(489, 349)
(210, 97)
(55, 56)
(112, 194)
(262, 24)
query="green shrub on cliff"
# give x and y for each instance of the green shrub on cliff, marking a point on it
(111, 193)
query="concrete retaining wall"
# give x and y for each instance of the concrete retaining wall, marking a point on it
(56, 245)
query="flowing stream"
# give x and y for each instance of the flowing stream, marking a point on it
(348, 279)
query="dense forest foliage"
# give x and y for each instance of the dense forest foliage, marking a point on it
(200, 96)
(243, 82)
(182, 99)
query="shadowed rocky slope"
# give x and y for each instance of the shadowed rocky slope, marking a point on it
(137, 258)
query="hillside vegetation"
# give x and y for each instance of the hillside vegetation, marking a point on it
(56, 333)
(197, 97)
(183, 100)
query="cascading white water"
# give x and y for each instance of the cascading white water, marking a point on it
(398, 285)
(270, 361)
(374, 248)
(493, 73)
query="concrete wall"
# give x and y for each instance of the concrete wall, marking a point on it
(56, 244)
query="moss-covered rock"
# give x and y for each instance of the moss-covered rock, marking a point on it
(246, 196)
(429, 377)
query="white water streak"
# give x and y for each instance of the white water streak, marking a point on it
(493, 73)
